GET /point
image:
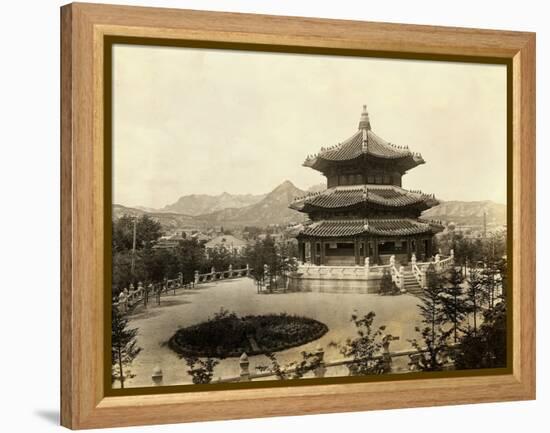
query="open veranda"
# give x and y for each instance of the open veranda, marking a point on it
(156, 324)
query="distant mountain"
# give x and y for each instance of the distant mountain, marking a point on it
(317, 188)
(272, 209)
(168, 220)
(468, 212)
(198, 204)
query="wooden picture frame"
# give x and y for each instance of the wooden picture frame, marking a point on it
(84, 27)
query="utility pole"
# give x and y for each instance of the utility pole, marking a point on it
(134, 247)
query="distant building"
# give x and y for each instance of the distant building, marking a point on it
(228, 242)
(169, 242)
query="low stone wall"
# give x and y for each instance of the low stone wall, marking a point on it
(323, 280)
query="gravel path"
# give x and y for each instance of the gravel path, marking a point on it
(158, 323)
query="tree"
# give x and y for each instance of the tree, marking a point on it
(366, 348)
(485, 348)
(220, 258)
(122, 270)
(124, 347)
(431, 350)
(474, 296)
(190, 257)
(454, 304)
(201, 371)
(147, 232)
(310, 361)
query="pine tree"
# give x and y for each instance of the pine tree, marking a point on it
(487, 347)
(124, 346)
(430, 350)
(454, 304)
(474, 296)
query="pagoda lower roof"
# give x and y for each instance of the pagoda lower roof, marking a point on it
(364, 142)
(378, 227)
(348, 196)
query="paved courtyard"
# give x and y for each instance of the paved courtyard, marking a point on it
(158, 323)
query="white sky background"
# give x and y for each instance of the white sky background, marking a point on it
(195, 121)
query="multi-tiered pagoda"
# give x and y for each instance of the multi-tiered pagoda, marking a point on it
(365, 212)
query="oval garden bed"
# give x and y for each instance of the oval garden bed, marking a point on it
(227, 335)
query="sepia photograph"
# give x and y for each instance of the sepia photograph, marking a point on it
(292, 216)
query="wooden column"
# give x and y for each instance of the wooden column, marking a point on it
(322, 252)
(356, 250)
(301, 251)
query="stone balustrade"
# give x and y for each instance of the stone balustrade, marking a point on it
(214, 275)
(324, 366)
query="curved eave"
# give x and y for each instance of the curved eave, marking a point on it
(403, 162)
(353, 197)
(373, 227)
(421, 206)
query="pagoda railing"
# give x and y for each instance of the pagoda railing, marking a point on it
(308, 270)
(441, 265)
(397, 273)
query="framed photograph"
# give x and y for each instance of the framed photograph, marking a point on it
(267, 216)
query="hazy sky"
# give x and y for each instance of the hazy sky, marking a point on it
(195, 121)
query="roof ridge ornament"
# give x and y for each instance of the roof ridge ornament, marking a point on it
(364, 122)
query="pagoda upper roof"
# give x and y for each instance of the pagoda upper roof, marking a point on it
(364, 143)
(348, 196)
(380, 227)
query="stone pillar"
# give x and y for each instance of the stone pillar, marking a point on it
(247, 270)
(367, 266)
(230, 270)
(244, 364)
(413, 259)
(157, 376)
(321, 369)
(196, 277)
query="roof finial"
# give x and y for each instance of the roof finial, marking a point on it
(364, 123)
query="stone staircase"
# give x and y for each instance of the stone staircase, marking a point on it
(410, 284)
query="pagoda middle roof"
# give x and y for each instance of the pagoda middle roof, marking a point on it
(347, 196)
(378, 227)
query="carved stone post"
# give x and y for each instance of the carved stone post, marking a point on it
(386, 355)
(157, 376)
(413, 259)
(401, 279)
(230, 270)
(247, 270)
(244, 363)
(321, 369)
(367, 266)
(196, 277)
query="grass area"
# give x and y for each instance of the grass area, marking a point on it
(228, 335)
